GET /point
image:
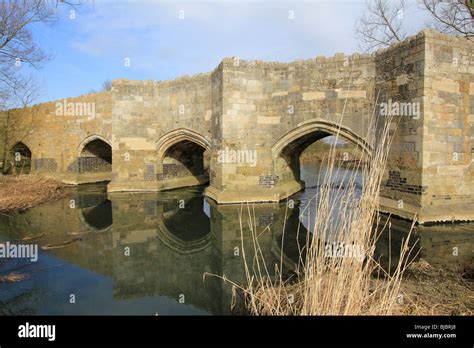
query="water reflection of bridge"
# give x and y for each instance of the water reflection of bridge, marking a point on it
(177, 239)
(174, 237)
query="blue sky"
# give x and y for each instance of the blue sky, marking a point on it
(160, 45)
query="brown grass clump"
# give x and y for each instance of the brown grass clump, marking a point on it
(21, 192)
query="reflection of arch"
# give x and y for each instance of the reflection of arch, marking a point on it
(176, 244)
(171, 138)
(289, 243)
(98, 217)
(21, 158)
(310, 131)
(174, 227)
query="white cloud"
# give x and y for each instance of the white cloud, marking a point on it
(161, 45)
(153, 35)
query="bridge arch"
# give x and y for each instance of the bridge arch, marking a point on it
(94, 154)
(287, 149)
(21, 156)
(184, 154)
(178, 135)
(91, 138)
(312, 130)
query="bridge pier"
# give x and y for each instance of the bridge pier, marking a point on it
(430, 167)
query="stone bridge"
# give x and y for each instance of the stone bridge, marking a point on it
(242, 127)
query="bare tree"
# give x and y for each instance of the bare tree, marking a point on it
(107, 85)
(454, 17)
(17, 45)
(381, 25)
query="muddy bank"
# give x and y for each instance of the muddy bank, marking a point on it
(26, 191)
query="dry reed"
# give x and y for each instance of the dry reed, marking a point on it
(326, 283)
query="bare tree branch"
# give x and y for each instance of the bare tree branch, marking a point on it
(17, 45)
(381, 25)
(107, 85)
(455, 17)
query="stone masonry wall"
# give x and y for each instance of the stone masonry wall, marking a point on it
(448, 167)
(54, 135)
(145, 111)
(430, 172)
(399, 79)
(264, 101)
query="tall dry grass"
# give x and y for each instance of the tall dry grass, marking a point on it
(326, 283)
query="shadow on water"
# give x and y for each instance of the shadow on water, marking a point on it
(136, 253)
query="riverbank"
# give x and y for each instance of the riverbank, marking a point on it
(425, 289)
(348, 156)
(21, 192)
(435, 290)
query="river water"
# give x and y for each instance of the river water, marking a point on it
(146, 254)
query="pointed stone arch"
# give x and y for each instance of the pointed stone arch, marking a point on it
(21, 157)
(311, 130)
(94, 155)
(91, 138)
(183, 158)
(181, 134)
